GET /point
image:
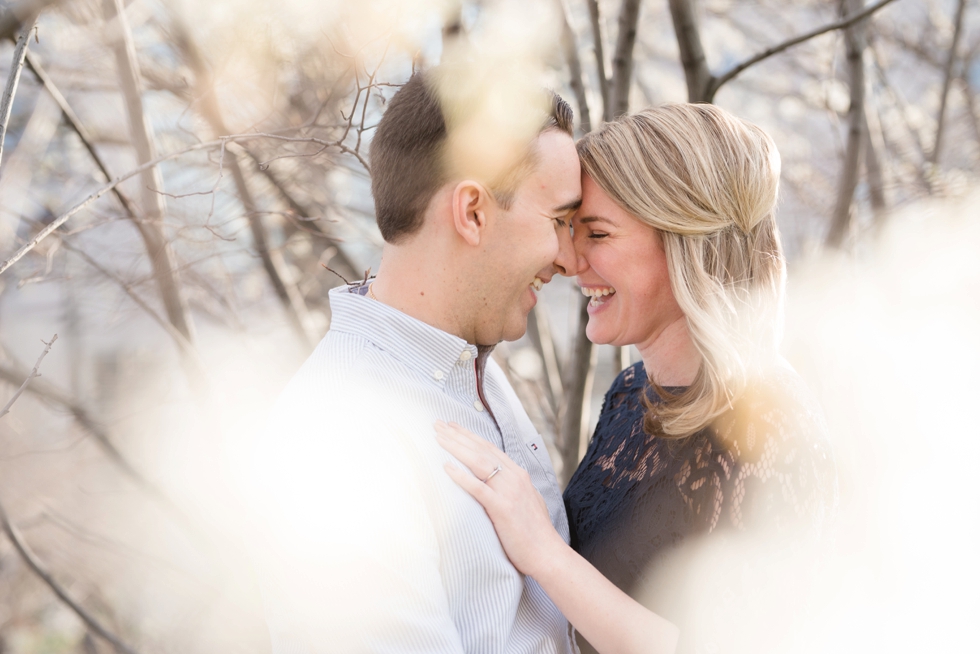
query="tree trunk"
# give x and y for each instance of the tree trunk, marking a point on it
(854, 42)
(622, 72)
(600, 57)
(948, 76)
(696, 72)
(570, 49)
(577, 389)
(876, 181)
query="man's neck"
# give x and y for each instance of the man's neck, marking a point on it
(421, 285)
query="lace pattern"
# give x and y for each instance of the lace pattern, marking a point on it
(635, 497)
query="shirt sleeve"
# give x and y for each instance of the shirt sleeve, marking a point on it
(346, 553)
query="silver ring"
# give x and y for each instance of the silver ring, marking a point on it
(490, 476)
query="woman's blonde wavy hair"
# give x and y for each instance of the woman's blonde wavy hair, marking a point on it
(708, 182)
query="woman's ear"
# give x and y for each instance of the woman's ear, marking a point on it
(470, 203)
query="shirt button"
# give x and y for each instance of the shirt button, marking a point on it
(478, 405)
(465, 356)
(437, 374)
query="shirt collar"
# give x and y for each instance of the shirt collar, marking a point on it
(419, 345)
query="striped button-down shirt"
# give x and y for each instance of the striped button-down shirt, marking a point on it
(368, 545)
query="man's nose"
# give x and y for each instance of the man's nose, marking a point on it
(565, 262)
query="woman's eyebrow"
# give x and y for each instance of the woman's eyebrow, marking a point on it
(594, 219)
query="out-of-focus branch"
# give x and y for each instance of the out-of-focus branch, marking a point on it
(570, 49)
(876, 182)
(539, 331)
(272, 260)
(42, 572)
(52, 393)
(971, 108)
(10, 89)
(693, 61)
(622, 64)
(186, 348)
(948, 76)
(851, 19)
(76, 125)
(15, 16)
(854, 44)
(29, 557)
(600, 57)
(158, 247)
(577, 390)
(342, 259)
(65, 217)
(34, 373)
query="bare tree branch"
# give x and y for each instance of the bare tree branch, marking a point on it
(41, 571)
(65, 217)
(854, 43)
(693, 61)
(846, 22)
(876, 182)
(577, 389)
(622, 64)
(272, 260)
(948, 76)
(32, 561)
(10, 90)
(570, 50)
(158, 248)
(12, 20)
(600, 57)
(539, 332)
(90, 425)
(306, 212)
(34, 373)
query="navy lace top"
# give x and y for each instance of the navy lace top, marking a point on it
(639, 507)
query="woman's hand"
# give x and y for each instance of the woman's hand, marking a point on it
(515, 507)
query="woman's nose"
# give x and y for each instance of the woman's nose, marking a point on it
(581, 263)
(565, 262)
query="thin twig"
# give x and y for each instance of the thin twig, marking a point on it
(41, 571)
(10, 90)
(62, 219)
(34, 373)
(718, 81)
(16, 16)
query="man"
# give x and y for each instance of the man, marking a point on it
(370, 546)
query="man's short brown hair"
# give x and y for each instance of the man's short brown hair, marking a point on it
(407, 162)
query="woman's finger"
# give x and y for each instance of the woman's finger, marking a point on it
(481, 492)
(481, 465)
(481, 445)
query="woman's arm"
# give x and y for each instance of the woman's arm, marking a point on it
(612, 621)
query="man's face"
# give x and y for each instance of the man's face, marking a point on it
(531, 241)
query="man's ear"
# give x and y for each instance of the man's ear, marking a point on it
(470, 203)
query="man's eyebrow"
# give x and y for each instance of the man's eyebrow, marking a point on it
(569, 206)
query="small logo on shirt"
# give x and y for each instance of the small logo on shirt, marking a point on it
(534, 446)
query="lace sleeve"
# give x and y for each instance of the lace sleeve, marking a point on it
(783, 472)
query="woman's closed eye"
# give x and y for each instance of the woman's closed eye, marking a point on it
(598, 235)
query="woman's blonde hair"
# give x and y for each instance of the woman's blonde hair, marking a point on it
(708, 182)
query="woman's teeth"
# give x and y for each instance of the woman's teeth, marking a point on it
(537, 284)
(597, 294)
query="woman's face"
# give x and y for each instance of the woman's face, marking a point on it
(621, 264)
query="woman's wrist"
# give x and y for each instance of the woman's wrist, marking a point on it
(550, 558)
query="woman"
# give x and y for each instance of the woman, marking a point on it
(710, 435)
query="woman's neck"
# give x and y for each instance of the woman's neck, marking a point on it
(670, 357)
